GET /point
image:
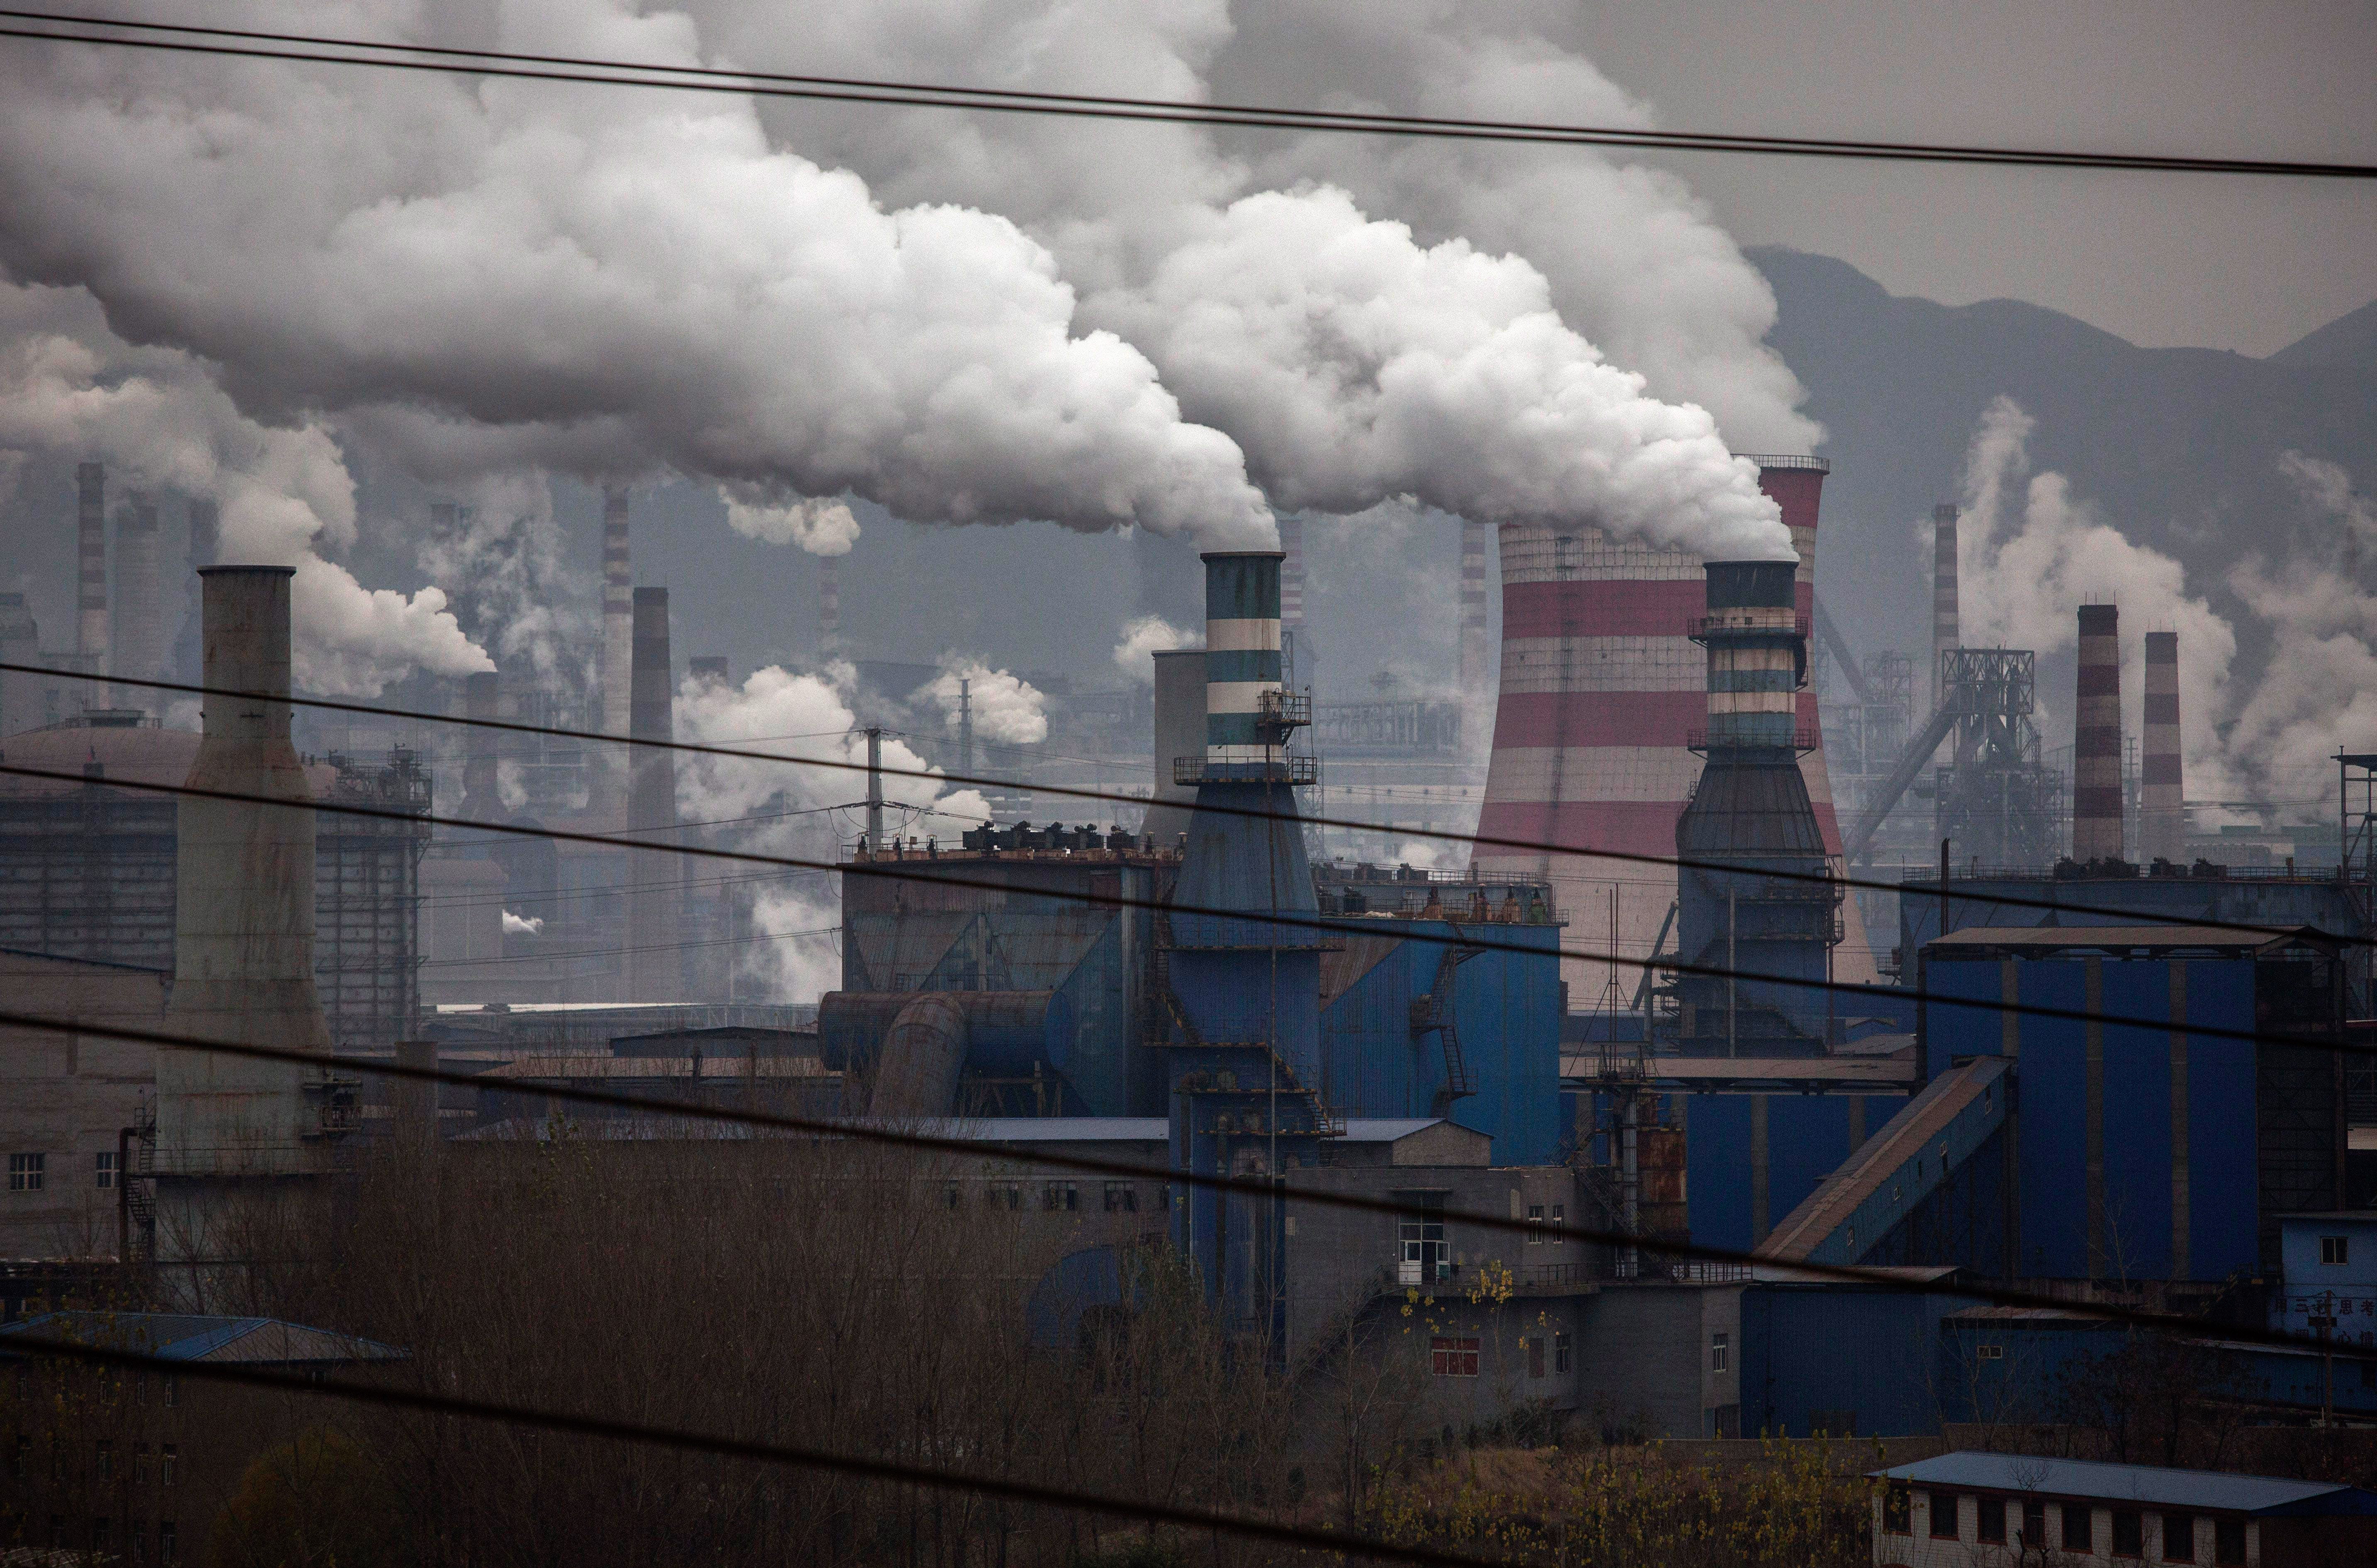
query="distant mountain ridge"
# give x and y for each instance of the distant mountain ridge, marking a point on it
(2178, 446)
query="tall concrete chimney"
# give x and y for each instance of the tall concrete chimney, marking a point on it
(483, 799)
(618, 612)
(244, 907)
(137, 633)
(20, 643)
(655, 894)
(1179, 732)
(1291, 573)
(1473, 617)
(2096, 737)
(1945, 631)
(90, 530)
(206, 531)
(828, 570)
(1601, 691)
(2162, 805)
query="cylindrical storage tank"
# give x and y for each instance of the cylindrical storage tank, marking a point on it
(2162, 804)
(1602, 688)
(1179, 733)
(244, 912)
(2096, 737)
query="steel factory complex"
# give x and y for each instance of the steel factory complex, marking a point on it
(1234, 980)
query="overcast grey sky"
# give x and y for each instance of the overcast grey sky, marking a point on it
(2233, 262)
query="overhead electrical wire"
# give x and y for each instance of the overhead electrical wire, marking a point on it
(1255, 813)
(809, 934)
(1264, 1188)
(1468, 935)
(389, 1397)
(308, 48)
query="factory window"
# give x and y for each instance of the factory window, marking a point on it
(1720, 1352)
(1535, 1357)
(1005, 1195)
(1897, 1510)
(1122, 1198)
(1425, 1253)
(2078, 1520)
(169, 1544)
(143, 1472)
(106, 1460)
(1535, 1217)
(103, 1167)
(169, 1464)
(1992, 1352)
(2335, 1249)
(169, 1399)
(2129, 1533)
(1560, 1217)
(1064, 1196)
(2034, 1528)
(1947, 1515)
(1563, 1353)
(2179, 1538)
(954, 1195)
(1452, 1358)
(2229, 1542)
(102, 1535)
(1991, 1525)
(24, 1455)
(26, 1171)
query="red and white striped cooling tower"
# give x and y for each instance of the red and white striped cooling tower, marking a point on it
(1602, 688)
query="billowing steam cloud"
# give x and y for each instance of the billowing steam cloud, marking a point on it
(501, 550)
(498, 275)
(1008, 709)
(820, 527)
(2321, 691)
(2031, 553)
(71, 388)
(591, 282)
(788, 809)
(1143, 638)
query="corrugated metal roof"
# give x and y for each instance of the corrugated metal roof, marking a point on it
(2195, 1491)
(190, 1337)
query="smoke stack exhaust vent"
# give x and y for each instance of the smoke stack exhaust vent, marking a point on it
(2096, 738)
(2162, 806)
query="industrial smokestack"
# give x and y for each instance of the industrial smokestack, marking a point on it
(1179, 733)
(20, 643)
(244, 907)
(2162, 804)
(655, 895)
(1601, 691)
(206, 529)
(1473, 615)
(90, 529)
(1945, 632)
(482, 748)
(2096, 738)
(137, 635)
(619, 613)
(710, 670)
(828, 570)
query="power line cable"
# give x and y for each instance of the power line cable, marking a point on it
(1254, 813)
(306, 48)
(620, 952)
(388, 1396)
(1467, 935)
(1262, 1187)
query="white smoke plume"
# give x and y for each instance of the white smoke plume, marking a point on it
(796, 807)
(522, 275)
(2320, 692)
(523, 925)
(502, 558)
(2029, 554)
(490, 274)
(820, 527)
(68, 386)
(1144, 637)
(1008, 709)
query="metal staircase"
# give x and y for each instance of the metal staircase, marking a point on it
(1432, 1011)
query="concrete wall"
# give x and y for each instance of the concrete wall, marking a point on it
(66, 1097)
(1646, 1359)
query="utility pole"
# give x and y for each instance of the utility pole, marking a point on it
(965, 725)
(874, 788)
